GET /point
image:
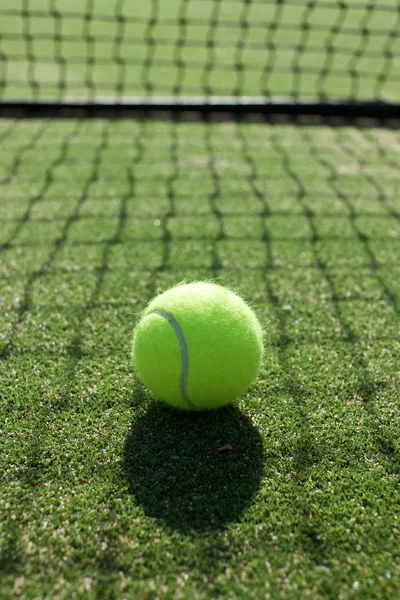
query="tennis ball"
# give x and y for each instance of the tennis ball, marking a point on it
(197, 346)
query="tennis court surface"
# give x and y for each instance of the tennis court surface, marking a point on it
(107, 493)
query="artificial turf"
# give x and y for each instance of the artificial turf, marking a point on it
(107, 494)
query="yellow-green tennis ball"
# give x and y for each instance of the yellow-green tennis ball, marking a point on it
(197, 346)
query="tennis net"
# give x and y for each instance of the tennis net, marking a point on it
(210, 51)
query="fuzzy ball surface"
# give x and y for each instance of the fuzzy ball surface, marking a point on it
(197, 346)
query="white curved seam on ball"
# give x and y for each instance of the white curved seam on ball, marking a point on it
(185, 358)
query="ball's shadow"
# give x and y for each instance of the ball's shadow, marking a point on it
(178, 474)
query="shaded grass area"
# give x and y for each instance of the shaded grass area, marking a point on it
(86, 50)
(107, 494)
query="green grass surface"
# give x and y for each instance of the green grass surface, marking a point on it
(107, 494)
(75, 49)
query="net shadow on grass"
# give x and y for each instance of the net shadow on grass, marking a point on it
(177, 475)
(28, 146)
(32, 474)
(368, 387)
(306, 450)
(60, 158)
(9, 130)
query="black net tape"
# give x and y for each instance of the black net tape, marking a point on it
(241, 50)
